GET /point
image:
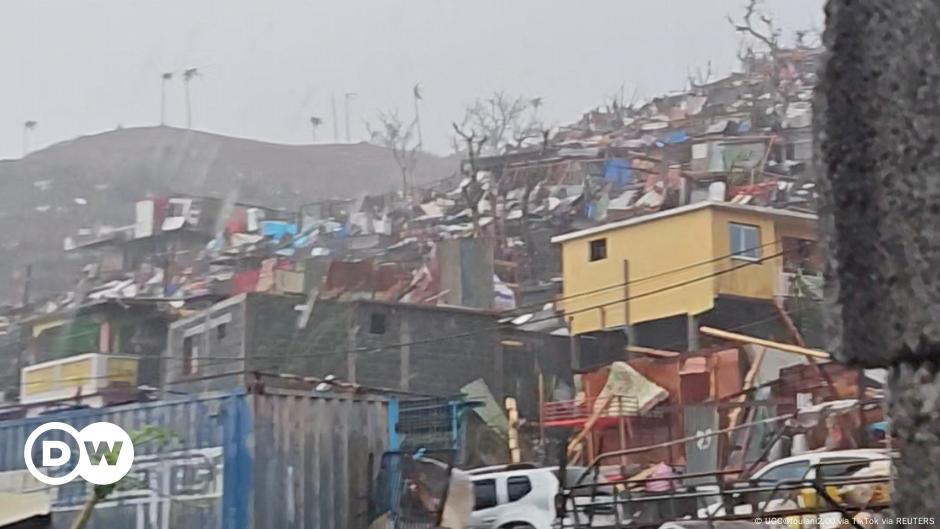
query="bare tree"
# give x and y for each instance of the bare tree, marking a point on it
(399, 137)
(472, 190)
(533, 178)
(315, 122)
(503, 120)
(765, 31)
(700, 78)
(188, 75)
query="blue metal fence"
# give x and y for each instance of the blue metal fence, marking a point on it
(430, 424)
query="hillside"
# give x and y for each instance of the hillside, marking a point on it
(95, 180)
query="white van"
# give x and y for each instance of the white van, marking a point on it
(838, 463)
(524, 497)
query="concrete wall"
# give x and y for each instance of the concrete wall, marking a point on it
(426, 349)
(217, 336)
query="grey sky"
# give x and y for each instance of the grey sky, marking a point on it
(84, 67)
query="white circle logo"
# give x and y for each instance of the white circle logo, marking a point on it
(105, 453)
(704, 440)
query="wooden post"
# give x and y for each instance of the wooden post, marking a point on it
(692, 332)
(621, 419)
(541, 408)
(352, 328)
(631, 336)
(798, 338)
(598, 411)
(734, 414)
(626, 292)
(404, 364)
(573, 345)
(515, 454)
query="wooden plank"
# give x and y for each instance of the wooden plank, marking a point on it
(660, 353)
(748, 382)
(743, 338)
(798, 338)
(598, 411)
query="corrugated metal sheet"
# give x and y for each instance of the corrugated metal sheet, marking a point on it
(702, 453)
(314, 460)
(182, 485)
(241, 461)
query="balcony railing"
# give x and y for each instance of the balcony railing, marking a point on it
(792, 284)
(575, 412)
(81, 375)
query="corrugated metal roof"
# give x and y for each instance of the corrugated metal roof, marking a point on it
(776, 212)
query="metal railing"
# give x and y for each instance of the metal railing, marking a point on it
(571, 411)
(714, 500)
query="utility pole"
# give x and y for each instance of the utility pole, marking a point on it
(188, 75)
(880, 219)
(418, 97)
(346, 98)
(163, 80)
(335, 119)
(28, 128)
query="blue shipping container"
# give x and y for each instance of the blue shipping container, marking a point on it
(284, 459)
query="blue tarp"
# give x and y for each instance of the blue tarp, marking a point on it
(277, 229)
(679, 136)
(617, 170)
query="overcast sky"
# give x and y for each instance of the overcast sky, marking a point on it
(81, 67)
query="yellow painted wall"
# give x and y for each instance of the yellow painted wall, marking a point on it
(58, 376)
(653, 248)
(800, 229)
(122, 370)
(694, 241)
(751, 280)
(39, 380)
(52, 324)
(758, 280)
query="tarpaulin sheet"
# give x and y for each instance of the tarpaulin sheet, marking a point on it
(640, 394)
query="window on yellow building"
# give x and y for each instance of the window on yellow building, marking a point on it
(745, 241)
(598, 249)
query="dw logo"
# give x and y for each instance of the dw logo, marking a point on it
(105, 453)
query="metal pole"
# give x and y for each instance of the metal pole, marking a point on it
(335, 119)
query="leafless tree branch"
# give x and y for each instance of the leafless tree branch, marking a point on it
(400, 138)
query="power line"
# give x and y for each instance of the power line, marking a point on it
(488, 329)
(216, 360)
(264, 373)
(653, 276)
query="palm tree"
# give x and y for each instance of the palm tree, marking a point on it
(28, 128)
(188, 75)
(163, 80)
(315, 122)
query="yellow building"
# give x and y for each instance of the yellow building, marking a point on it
(680, 261)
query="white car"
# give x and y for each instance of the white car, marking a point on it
(524, 497)
(837, 463)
